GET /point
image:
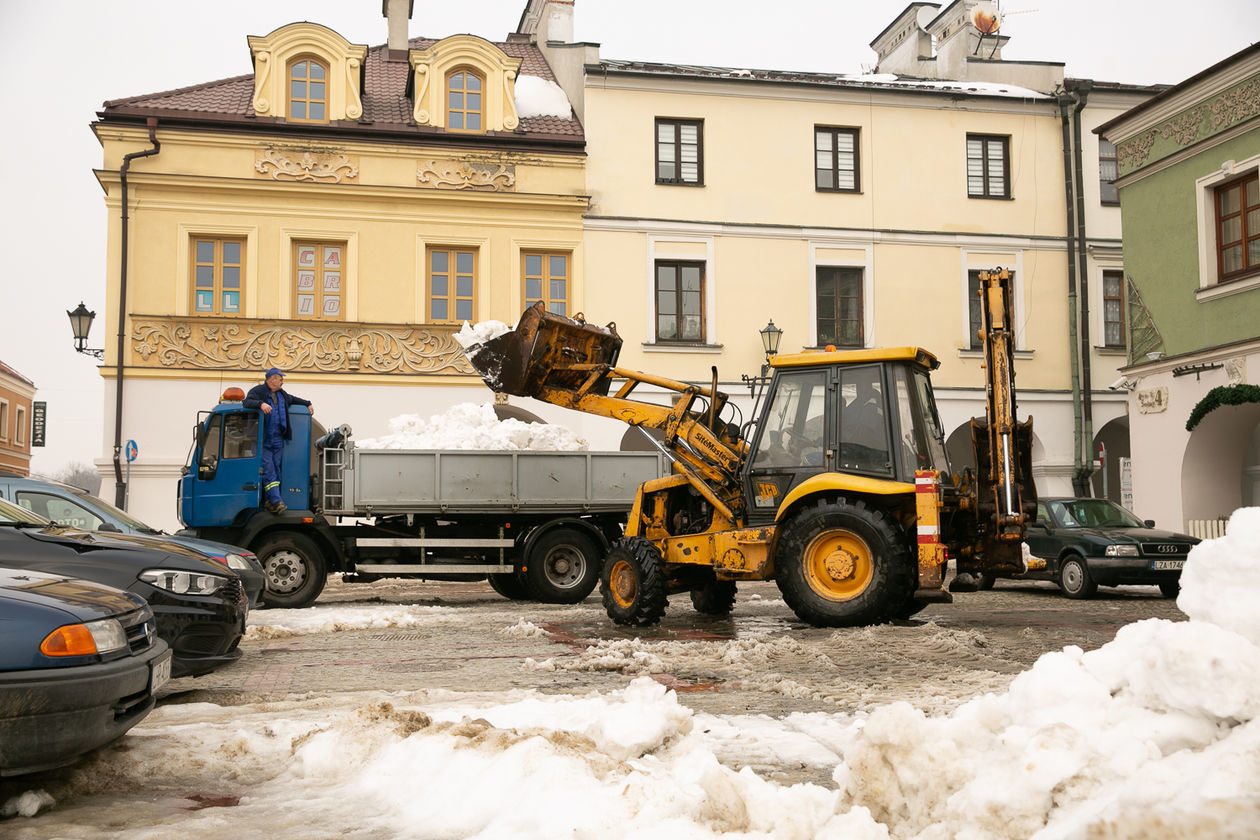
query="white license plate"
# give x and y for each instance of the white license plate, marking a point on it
(161, 673)
(1167, 565)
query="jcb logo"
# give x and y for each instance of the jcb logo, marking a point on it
(767, 494)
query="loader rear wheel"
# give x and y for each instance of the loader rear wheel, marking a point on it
(844, 564)
(562, 567)
(295, 570)
(714, 597)
(633, 583)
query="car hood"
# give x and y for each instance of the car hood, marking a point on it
(146, 551)
(82, 599)
(1135, 535)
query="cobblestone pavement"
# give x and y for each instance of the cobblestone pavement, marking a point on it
(760, 660)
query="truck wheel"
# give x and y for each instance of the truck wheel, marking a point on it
(510, 586)
(1075, 580)
(843, 564)
(633, 583)
(295, 570)
(715, 597)
(562, 567)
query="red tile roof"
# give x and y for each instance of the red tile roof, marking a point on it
(385, 104)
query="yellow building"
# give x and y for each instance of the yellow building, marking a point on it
(337, 212)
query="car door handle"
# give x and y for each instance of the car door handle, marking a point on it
(249, 486)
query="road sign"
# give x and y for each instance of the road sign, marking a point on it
(132, 451)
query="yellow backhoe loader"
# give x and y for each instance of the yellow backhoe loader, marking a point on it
(839, 489)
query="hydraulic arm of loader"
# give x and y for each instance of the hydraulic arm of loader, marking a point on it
(1002, 496)
(571, 363)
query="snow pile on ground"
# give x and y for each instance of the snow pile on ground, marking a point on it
(472, 426)
(311, 621)
(1156, 734)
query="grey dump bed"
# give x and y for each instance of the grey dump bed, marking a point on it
(367, 482)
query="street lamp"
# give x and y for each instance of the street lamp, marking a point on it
(81, 325)
(770, 336)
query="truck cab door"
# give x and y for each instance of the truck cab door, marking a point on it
(224, 475)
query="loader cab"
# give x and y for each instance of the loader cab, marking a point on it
(867, 413)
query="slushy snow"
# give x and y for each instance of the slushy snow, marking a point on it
(473, 426)
(1154, 735)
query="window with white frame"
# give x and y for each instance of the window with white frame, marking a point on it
(1237, 205)
(680, 301)
(1113, 309)
(975, 308)
(19, 425)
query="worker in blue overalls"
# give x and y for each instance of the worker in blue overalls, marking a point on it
(275, 403)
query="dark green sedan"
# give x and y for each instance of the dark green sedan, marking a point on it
(1088, 543)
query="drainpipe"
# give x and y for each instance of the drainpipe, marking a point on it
(120, 487)
(1067, 99)
(1081, 484)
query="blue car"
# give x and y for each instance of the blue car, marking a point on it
(79, 665)
(77, 508)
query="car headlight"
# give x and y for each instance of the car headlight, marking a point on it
(235, 561)
(1122, 551)
(183, 583)
(102, 636)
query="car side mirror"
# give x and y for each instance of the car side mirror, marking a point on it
(1149, 523)
(109, 526)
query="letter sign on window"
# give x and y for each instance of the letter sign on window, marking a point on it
(306, 256)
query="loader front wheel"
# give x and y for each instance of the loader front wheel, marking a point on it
(844, 564)
(633, 583)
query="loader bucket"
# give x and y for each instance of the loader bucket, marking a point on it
(546, 349)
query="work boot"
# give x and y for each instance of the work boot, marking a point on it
(279, 507)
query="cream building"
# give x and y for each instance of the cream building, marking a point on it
(856, 210)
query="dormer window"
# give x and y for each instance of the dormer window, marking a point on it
(465, 109)
(308, 91)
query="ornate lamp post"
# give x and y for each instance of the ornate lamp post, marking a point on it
(770, 336)
(81, 324)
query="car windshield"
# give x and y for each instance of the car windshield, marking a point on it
(1093, 513)
(11, 514)
(119, 515)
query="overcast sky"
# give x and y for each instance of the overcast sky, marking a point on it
(59, 60)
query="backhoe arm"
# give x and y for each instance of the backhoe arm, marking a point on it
(571, 363)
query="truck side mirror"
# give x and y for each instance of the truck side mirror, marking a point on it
(1149, 523)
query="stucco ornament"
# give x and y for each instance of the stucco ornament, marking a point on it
(1236, 370)
(462, 175)
(312, 165)
(330, 348)
(1153, 400)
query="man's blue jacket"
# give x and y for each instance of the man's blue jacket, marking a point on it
(260, 394)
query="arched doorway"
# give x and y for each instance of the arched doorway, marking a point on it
(1114, 437)
(1221, 466)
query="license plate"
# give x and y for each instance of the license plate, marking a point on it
(161, 673)
(1167, 565)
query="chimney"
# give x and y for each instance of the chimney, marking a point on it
(398, 14)
(560, 21)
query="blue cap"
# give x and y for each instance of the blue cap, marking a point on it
(271, 371)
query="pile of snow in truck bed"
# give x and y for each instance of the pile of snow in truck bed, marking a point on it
(472, 426)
